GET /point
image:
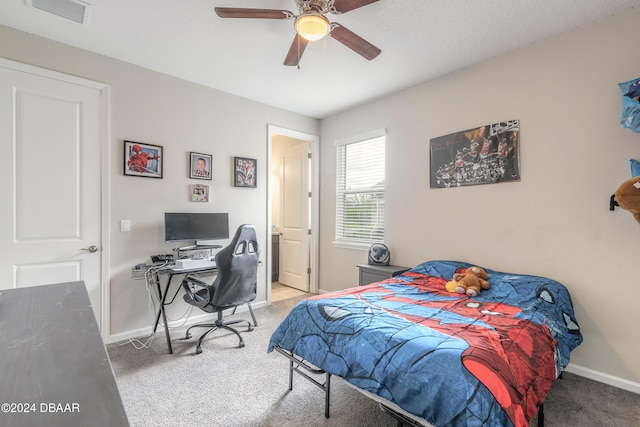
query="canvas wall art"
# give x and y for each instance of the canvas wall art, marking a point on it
(484, 155)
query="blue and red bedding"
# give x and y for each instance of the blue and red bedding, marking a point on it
(447, 358)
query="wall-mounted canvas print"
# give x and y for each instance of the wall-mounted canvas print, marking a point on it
(200, 166)
(244, 172)
(142, 159)
(199, 193)
(485, 155)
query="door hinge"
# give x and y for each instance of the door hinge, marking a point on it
(309, 194)
(309, 270)
(308, 155)
(309, 232)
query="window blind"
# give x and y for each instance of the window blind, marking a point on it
(360, 191)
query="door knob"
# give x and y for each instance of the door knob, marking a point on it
(91, 249)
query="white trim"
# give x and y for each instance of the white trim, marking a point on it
(105, 174)
(105, 163)
(314, 141)
(175, 324)
(376, 133)
(347, 244)
(601, 377)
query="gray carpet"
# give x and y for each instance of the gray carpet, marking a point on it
(233, 387)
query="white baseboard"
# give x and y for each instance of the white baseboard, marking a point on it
(611, 380)
(193, 319)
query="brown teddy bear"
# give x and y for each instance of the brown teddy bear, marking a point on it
(627, 196)
(470, 282)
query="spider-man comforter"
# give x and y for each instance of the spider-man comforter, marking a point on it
(447, 358)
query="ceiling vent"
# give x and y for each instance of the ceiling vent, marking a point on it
(74, 10)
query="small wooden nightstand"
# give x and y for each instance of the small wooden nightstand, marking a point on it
(370, 273)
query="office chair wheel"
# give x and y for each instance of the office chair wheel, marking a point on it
(241, 344)
(198, 350)
(250, 328)
(187, 335)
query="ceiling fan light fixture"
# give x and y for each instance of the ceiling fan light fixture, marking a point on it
(312, 26)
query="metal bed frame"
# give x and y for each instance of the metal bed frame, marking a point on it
(301, 367)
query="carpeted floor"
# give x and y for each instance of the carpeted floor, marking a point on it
(236, 387)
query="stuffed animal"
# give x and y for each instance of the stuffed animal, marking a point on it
(628, 196)
(470, 282)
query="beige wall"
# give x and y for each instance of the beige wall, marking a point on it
(154, 108)
(555, 222)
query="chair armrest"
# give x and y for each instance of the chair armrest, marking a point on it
(192, 295)
(196, 281)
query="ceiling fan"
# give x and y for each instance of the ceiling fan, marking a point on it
(311, 24)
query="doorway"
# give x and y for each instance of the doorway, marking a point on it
(292, 211)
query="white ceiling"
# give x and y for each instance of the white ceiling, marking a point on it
(420, 40)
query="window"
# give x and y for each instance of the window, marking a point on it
(360, 172)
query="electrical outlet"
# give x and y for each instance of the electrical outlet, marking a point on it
(125, 225)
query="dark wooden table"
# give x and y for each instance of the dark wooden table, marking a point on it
(54, 368)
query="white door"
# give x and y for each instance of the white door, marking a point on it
(50, 213)
(294, 241)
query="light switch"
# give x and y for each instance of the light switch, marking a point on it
(125, 225)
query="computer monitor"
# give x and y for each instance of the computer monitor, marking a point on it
(186, 226)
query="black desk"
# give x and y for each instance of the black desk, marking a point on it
(54, 367)
(162, 295)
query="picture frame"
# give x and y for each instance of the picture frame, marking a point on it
(488, 154)
(199, 193)
(244, 172)
(141, 159)
(200, 166)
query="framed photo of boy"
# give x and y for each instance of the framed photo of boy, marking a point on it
(200, 166)
(244, 172)
(142, 159)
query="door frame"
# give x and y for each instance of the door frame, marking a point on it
(314, 143)
(105, 163)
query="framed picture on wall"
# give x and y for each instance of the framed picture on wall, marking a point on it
(199, 193)
(244, 172)
(200, 166)
(142, 159)
(487, 154)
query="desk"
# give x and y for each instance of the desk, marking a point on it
(54, 367)
(162, 295)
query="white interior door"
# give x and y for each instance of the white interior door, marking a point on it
(294, 239)
(50, 197)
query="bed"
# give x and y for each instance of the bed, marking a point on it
(434, 357)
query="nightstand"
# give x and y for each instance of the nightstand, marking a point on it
(370, 273)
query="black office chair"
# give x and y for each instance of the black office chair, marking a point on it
(234, 285)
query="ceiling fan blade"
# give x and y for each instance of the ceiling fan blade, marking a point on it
(295, 51)
(239, 12)
(354, 41)
(344, 6)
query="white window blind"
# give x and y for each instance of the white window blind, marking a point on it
(360, 172)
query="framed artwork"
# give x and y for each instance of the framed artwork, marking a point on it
(485, 155)
(244, 172)
(199, 193)
(200, 166)
(142, 159)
